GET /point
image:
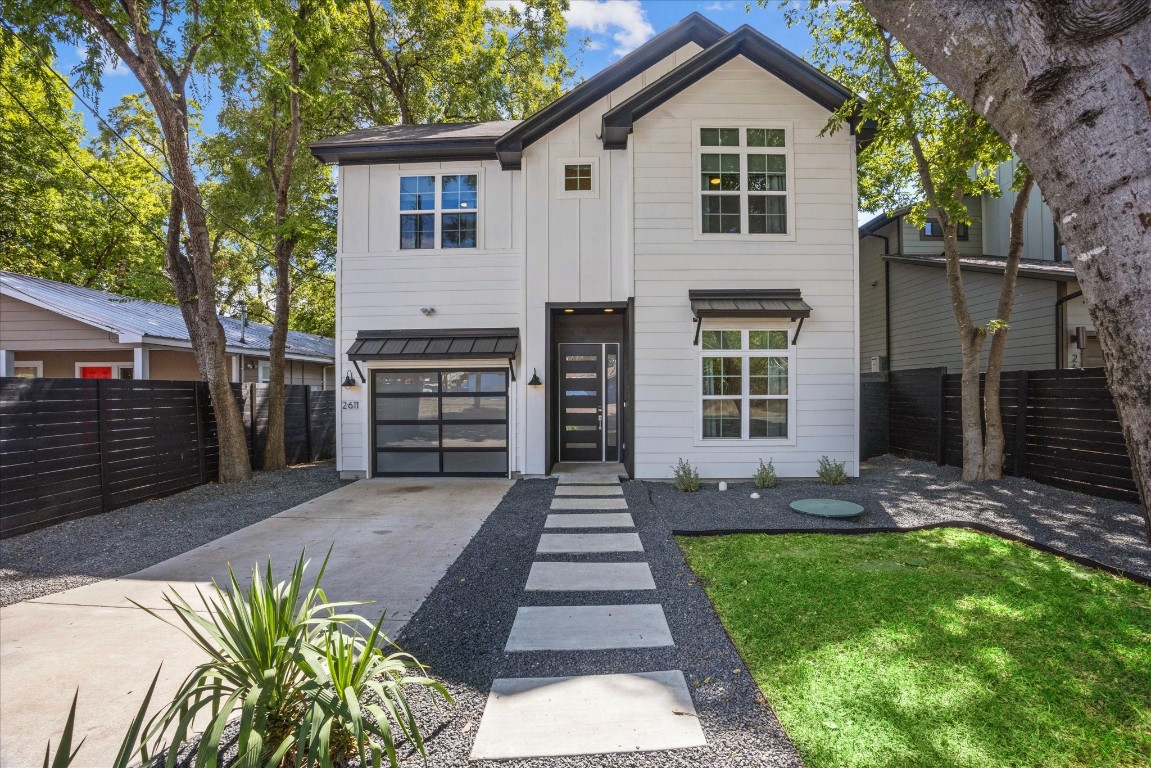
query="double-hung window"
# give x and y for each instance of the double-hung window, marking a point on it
(439, 211)
(746, 378)
(743, 178)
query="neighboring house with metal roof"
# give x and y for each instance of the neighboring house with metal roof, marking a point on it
(56, 330)
(906, 320)
(660, 264)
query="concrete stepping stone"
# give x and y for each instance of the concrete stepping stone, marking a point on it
(588, 628)
(591, 520)
(585, 715)
(589, 577)
(589, 490)
(588, 480)
(561, 503)
(560, 543)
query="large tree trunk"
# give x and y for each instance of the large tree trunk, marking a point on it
(1069, 84)
(192, 276)
(281, 179)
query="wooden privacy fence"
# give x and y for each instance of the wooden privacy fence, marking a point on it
(76, 447)
(1061, 426)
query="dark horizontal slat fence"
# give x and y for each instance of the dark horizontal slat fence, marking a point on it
(1061, 426)
(75, 447)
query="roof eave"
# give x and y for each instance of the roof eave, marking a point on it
(618, 122)
(430, 150)
(1025, 270)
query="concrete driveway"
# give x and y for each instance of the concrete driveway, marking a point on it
(392, 540)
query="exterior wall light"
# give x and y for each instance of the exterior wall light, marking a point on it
(569, 311)
(535, 382)
(609, 310)
(349, 380)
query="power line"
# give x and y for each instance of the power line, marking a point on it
(82, 169)
(95, 113)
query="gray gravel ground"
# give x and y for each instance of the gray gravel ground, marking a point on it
(461, 629)
(106, 546)
(902, 493)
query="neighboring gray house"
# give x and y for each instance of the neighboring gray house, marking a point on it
(56, 330)
(906, 319)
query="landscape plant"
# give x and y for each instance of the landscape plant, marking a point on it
(765, 476)
(831, 472)
(126, 756)
(296, 670)
(686, 476)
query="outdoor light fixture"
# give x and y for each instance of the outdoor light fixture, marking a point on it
(535, 382)
(349, 381)
(608, 309)
(569, 311)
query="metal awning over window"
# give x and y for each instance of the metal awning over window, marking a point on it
(444, 344)
(773, 303)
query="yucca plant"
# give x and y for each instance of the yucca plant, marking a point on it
(65, 755)
(356, 692)
(295, 669)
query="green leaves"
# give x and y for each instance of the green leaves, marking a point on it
(292, 665)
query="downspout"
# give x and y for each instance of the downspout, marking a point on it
(1061, 326)
(886, 296)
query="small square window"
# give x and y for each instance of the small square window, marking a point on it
(577, 178)
(933, 230)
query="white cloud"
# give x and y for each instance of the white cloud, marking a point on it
(723, 6)
(110, 66)
(625, 20)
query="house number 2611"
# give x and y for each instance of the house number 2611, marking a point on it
(351, 405)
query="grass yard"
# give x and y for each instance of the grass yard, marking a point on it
(986, 654)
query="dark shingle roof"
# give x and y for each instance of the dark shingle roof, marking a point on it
(440, 344)
(749, 303)
(126, 315)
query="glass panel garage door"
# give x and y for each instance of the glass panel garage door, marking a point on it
(446, 422)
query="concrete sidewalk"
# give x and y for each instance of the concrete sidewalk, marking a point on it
(393, 540)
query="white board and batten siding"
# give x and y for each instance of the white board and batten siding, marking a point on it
(382, 287)
(820, 260)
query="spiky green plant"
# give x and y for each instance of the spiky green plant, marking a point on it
(125, 757)
(275, 660)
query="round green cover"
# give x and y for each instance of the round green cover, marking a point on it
(827, 507)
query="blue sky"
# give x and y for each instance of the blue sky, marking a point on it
(611, 28)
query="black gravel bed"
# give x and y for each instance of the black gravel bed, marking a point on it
(905, 494)
(110, 545)
(461, 629)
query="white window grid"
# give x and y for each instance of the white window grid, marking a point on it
(743, 150)
(438, 210)
(746, 354)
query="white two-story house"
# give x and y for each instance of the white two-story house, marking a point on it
(661, 264)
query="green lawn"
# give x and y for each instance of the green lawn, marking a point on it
(987, 654)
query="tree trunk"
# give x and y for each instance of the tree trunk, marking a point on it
(281, 178)
(994, 443)
(192, 276)
(1069, 85)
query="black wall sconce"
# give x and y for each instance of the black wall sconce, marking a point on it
(535, 382)
(349, 380)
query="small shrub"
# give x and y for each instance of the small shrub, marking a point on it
(765, 476)
(832, 472)
(686, 476)
(295, 669)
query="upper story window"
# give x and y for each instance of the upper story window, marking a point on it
(439, 211)
(744, 185)
(746, 384)
(578, 177)
(933, 230)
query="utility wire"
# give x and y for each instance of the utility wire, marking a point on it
(83, 170)
(95, 113)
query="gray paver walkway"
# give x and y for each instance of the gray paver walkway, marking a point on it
(588, 714)
(589, 490)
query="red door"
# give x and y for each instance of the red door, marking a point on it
(95, 372)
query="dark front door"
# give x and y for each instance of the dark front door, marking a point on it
(589, 402)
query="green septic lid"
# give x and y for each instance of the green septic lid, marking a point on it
(827, 508)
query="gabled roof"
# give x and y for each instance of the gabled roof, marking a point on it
(1040, 269)
(149, 320)
(752, 45)
(414, 143)
(694, 28)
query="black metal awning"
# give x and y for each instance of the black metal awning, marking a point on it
(444, 344)
(778, 303)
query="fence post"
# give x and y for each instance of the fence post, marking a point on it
(1021, 387)
(201, 417)
(102, 436)
(941, 427)
(253, 428)
(308, 424)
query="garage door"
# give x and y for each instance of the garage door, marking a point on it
(442, 422)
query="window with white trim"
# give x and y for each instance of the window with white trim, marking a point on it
(263, 371)
(745, 384)
(439, 211)
(28, 369)
(743, 181)
(577, 177)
